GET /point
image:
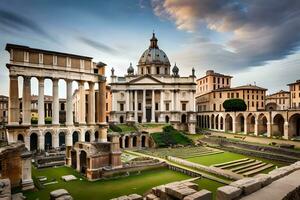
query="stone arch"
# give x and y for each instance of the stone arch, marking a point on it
(183, 118)
(121, 142)
(48, 141)
(217, 122)
(212, 121)
(262, 126)
(240, 123)
(75, 137)
(167, 119)
(87, 136)
(20, 137)
(143, 139)
(61, 138)
(228, 123)
(294, 125)
(96, 136)
(250, 123)
(83, 161)
(73, 159)
(278, 125)
(271, 106)
(121, 119)
(134, 141)
(221, 123)
(126, 141)
(33, 141)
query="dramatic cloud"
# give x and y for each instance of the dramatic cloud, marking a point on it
(11, 22)
(99, 46)
(260, 31)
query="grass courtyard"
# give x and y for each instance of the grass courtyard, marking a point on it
(103, 189)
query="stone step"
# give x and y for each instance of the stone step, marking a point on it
(237, 164)
(251, 168)
(230, 162)
(258, 170)
(246, 166)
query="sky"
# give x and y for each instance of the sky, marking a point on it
(255, 41)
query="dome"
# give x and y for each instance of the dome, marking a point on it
(130, 69)
(154, 55)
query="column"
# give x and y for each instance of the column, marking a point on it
(245, 125)
(144, 106)
(55, 104)
(136, 105)
(286, 130)
(234, 124)
(41, 112)
(162, 97)
(55, 142)
(26, 101)
(153, 107)
(131, 100)
(41, 140)
(13, 103)
(101, 102)
(256, 126)
(269, 129)
(69, 106)
(81, 110)
(91, 107)
(69, 141)
(127, 100)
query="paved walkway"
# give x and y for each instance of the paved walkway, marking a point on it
(203, 174)
(260, 140)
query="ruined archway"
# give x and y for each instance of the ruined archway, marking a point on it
(167, 119)
(240, 122)
(217, 122)
(48, 141)
(121, 142)
(20, 137)
(228, 123)
(250, 123)
(126, 141)
(262, 125)
(212, 121)
(121, 119)
(83, 161)
(73, 159)
(278, 125)
(143, 141)
(96, 136)
(183, 118)
(294, 125)
(134, 141)
(221, 123)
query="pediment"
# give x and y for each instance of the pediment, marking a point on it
(146, 79)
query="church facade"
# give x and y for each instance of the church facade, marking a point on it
(154, 93)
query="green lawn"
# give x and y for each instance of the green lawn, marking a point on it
(228, 156)
(104, 189)
(209, 185)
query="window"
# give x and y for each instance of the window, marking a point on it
(121, 107)
(157, 70)
(167, 106)
(156, 106)
(214, 107)
(142, 72)
(237, 95)
(166, 70)
(106, 106)
(184, 107)
(214, 79)
(228, 95)
(140, 106)
(252, 103)
(227, 81)
(148, 70)
(262, 104)
(214, 87)
(214, 95)
(232, 95)
(222, 80)
(218, 80)
(220, 94)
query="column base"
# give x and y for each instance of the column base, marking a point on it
(152, 121)
(27, 185)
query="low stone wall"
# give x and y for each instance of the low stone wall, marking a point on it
(260, 186)
(210, 169)
(273, 153)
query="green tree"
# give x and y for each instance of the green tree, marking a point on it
(234, 105)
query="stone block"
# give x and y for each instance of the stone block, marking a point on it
(278, 173)
(135, 197)
(65, 197)
(68, 178)
(18, 196)
(228, 192)
(179, 191)
(191, 185)
(248, 185)
(123, 198)
(5, 189)
(265, 179)
(201, 195)
(58, 193)
(151, 197)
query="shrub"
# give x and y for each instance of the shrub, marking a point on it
(34, 120)
(168, 128)
(234, 105)
(115, 128)
(48, 120)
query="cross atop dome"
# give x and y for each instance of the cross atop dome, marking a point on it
(153, 41)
